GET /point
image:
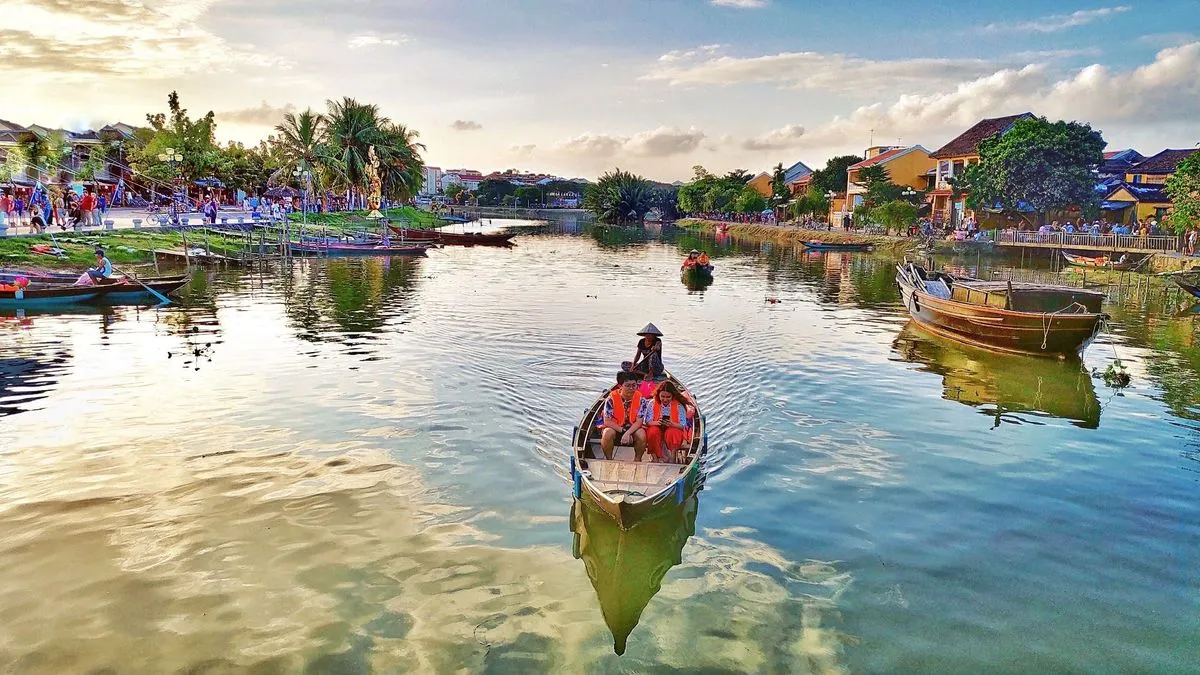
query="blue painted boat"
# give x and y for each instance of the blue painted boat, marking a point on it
(43, 296)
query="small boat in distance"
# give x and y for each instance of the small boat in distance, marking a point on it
(452, 238)
(838, 246)
(331, 249)
(1010, 317)
(1190, 285)
(627, 490)
(1101, 262)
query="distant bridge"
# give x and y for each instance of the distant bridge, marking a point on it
(1107, 243)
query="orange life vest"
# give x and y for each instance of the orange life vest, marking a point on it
(656, 413)
(703, 259)
(620, 412)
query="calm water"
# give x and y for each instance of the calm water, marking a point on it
(359, 466)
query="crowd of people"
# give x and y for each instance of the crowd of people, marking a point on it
(42, 210)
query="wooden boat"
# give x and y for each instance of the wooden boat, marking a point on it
(1099, 262)
(319, 249)
(1005, 316)
(43, 295)
(626, 567)
(120, 290)
(1187, 285)
(9, 276)
(630, 491)
(453, 238)
(196, 255)
(841, 246)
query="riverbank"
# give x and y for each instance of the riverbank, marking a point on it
(789, 235)
(136, 246)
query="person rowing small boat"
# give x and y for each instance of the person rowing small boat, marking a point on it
(647, 362)
(100, 272)
(696, 262)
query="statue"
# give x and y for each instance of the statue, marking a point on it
(375, 195)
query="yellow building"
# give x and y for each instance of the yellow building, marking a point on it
(952, 160)
(1124, 203)
(762, 184)
(908, 167)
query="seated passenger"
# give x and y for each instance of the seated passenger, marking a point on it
(690, 261)
(702, 260)
(667, 425)
(101, 271)
(621, 417)
(647, 362)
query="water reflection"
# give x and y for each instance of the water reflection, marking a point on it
(29, 375)
(626, 567)
(348, 296)
(1002, 384)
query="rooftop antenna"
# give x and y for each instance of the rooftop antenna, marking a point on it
(871, 144)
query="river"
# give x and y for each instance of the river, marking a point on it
(356, 466)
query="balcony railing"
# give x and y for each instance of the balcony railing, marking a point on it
(1117, 242)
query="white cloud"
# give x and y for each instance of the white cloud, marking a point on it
(264, 114)
(787, 136)
(1165, 90)
(465, 125)
(810, 70)
(741, 4)
(79, 41)
(376, 40)
(1059, 22)
(660, 142)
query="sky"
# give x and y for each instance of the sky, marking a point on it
(578, 87)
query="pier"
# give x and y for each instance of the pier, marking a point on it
(1104, 243)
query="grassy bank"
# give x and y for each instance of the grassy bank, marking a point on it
(357, 220)
(123, 247)
(793, 235)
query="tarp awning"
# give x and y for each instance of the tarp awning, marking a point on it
(1114, 205)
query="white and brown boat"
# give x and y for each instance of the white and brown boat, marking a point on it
(628, 490)
(1020, 318)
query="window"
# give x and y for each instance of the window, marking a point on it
(1137, 179)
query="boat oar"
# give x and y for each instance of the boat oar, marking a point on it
(162, 298)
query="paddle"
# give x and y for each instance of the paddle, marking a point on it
(162, 298)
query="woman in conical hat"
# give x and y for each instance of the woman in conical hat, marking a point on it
(648, 359)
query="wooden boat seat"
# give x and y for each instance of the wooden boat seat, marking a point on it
(634, 477)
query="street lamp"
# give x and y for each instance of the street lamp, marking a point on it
(174, 158)
(303, 173)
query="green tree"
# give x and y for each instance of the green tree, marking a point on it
(492, 191)
(811, 203)
(193, 139)
(894, 215)
(1184, 188)
(749, 200)
(780, 192)
(528, 196)
(300, 141)
(832, 178)
(880, 188)
(1040, 164)
(666, 200)
(738, 177)
(453, 191)
(620, 197)
(247, 169)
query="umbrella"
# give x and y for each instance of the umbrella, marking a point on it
(210, 182)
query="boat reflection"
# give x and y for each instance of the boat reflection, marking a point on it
(1008, 383)
(695, 281)
(627, 566)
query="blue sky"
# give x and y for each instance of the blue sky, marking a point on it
(579, 86)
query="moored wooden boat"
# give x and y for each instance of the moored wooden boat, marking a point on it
(1098, 262)
(1011, 317)
(626, 567)
(318, 249)
(1187, 285)
(627, 490)
(44, 295)
(453, 238)
(838, 246)
(121, 290)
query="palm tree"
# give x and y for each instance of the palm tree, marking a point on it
(301, 143)
(353, 128)
(400, 156)
(620, 197)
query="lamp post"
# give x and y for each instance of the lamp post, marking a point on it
(173, 157)
(303, 173)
